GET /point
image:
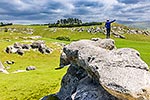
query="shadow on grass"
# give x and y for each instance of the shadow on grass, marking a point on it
(50, 97)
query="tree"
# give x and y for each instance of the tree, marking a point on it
(65, 21)
(61, 21)
(1, 24)
(58, 22)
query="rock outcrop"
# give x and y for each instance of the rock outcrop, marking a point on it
(18, 30)
(99, 71)
(117, 30)
(19, 48)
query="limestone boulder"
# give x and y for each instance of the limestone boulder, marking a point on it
(30, 68)
(11, 49)
(37, 44)
(100, 71)
(17, 45)
(20, 48)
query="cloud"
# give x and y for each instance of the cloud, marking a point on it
(129, 1)
(133, 12)
(45, 11)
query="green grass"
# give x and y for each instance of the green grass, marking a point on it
(33, 85)
(30, 85)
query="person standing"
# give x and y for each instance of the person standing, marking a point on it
(108, 27)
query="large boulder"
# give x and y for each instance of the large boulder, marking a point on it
(11, 49)
(99, 71)
(20, 52)
(41, 46)
(37, 44)
(77, 85)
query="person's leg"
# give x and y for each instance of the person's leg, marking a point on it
(108, 33)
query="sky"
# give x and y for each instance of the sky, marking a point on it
(49, 11)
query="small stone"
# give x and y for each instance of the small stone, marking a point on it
(30, 68)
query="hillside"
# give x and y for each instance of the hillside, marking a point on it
(142, 25)
(34, 84)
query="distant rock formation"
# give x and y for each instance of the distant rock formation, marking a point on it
(19, 48)
(17, 30)
(99, 71)
(117, 31)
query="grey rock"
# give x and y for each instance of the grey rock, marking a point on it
(107, 44)
(36, 44)
(108, 73)
(21, 48)
(95, 39)
(64, 61)
(2, 69)
(70, 82)
(20, 52)
(30, 68)
(41, 46)
(11, 49)
(9, 62)
(44, 49)
(8, 50)
(17, 45)
(48, 50)
(118, 35)
(35, 37)
(26, 46)
(91, 90)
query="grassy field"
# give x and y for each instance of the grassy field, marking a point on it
(33, 85)
(30, 85)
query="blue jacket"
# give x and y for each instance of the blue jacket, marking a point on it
(108, 24)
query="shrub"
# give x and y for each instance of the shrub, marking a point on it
(65, 38)
(5, 30)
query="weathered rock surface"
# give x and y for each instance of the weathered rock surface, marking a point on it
(2, 69)
(99, 71)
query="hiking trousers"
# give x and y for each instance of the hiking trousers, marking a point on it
(108, 33)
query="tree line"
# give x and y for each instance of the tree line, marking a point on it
(72, 22)
(69, 21)
(5, 24)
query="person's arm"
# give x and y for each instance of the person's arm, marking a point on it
(113, 21)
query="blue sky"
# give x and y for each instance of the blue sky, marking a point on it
(48, 11)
